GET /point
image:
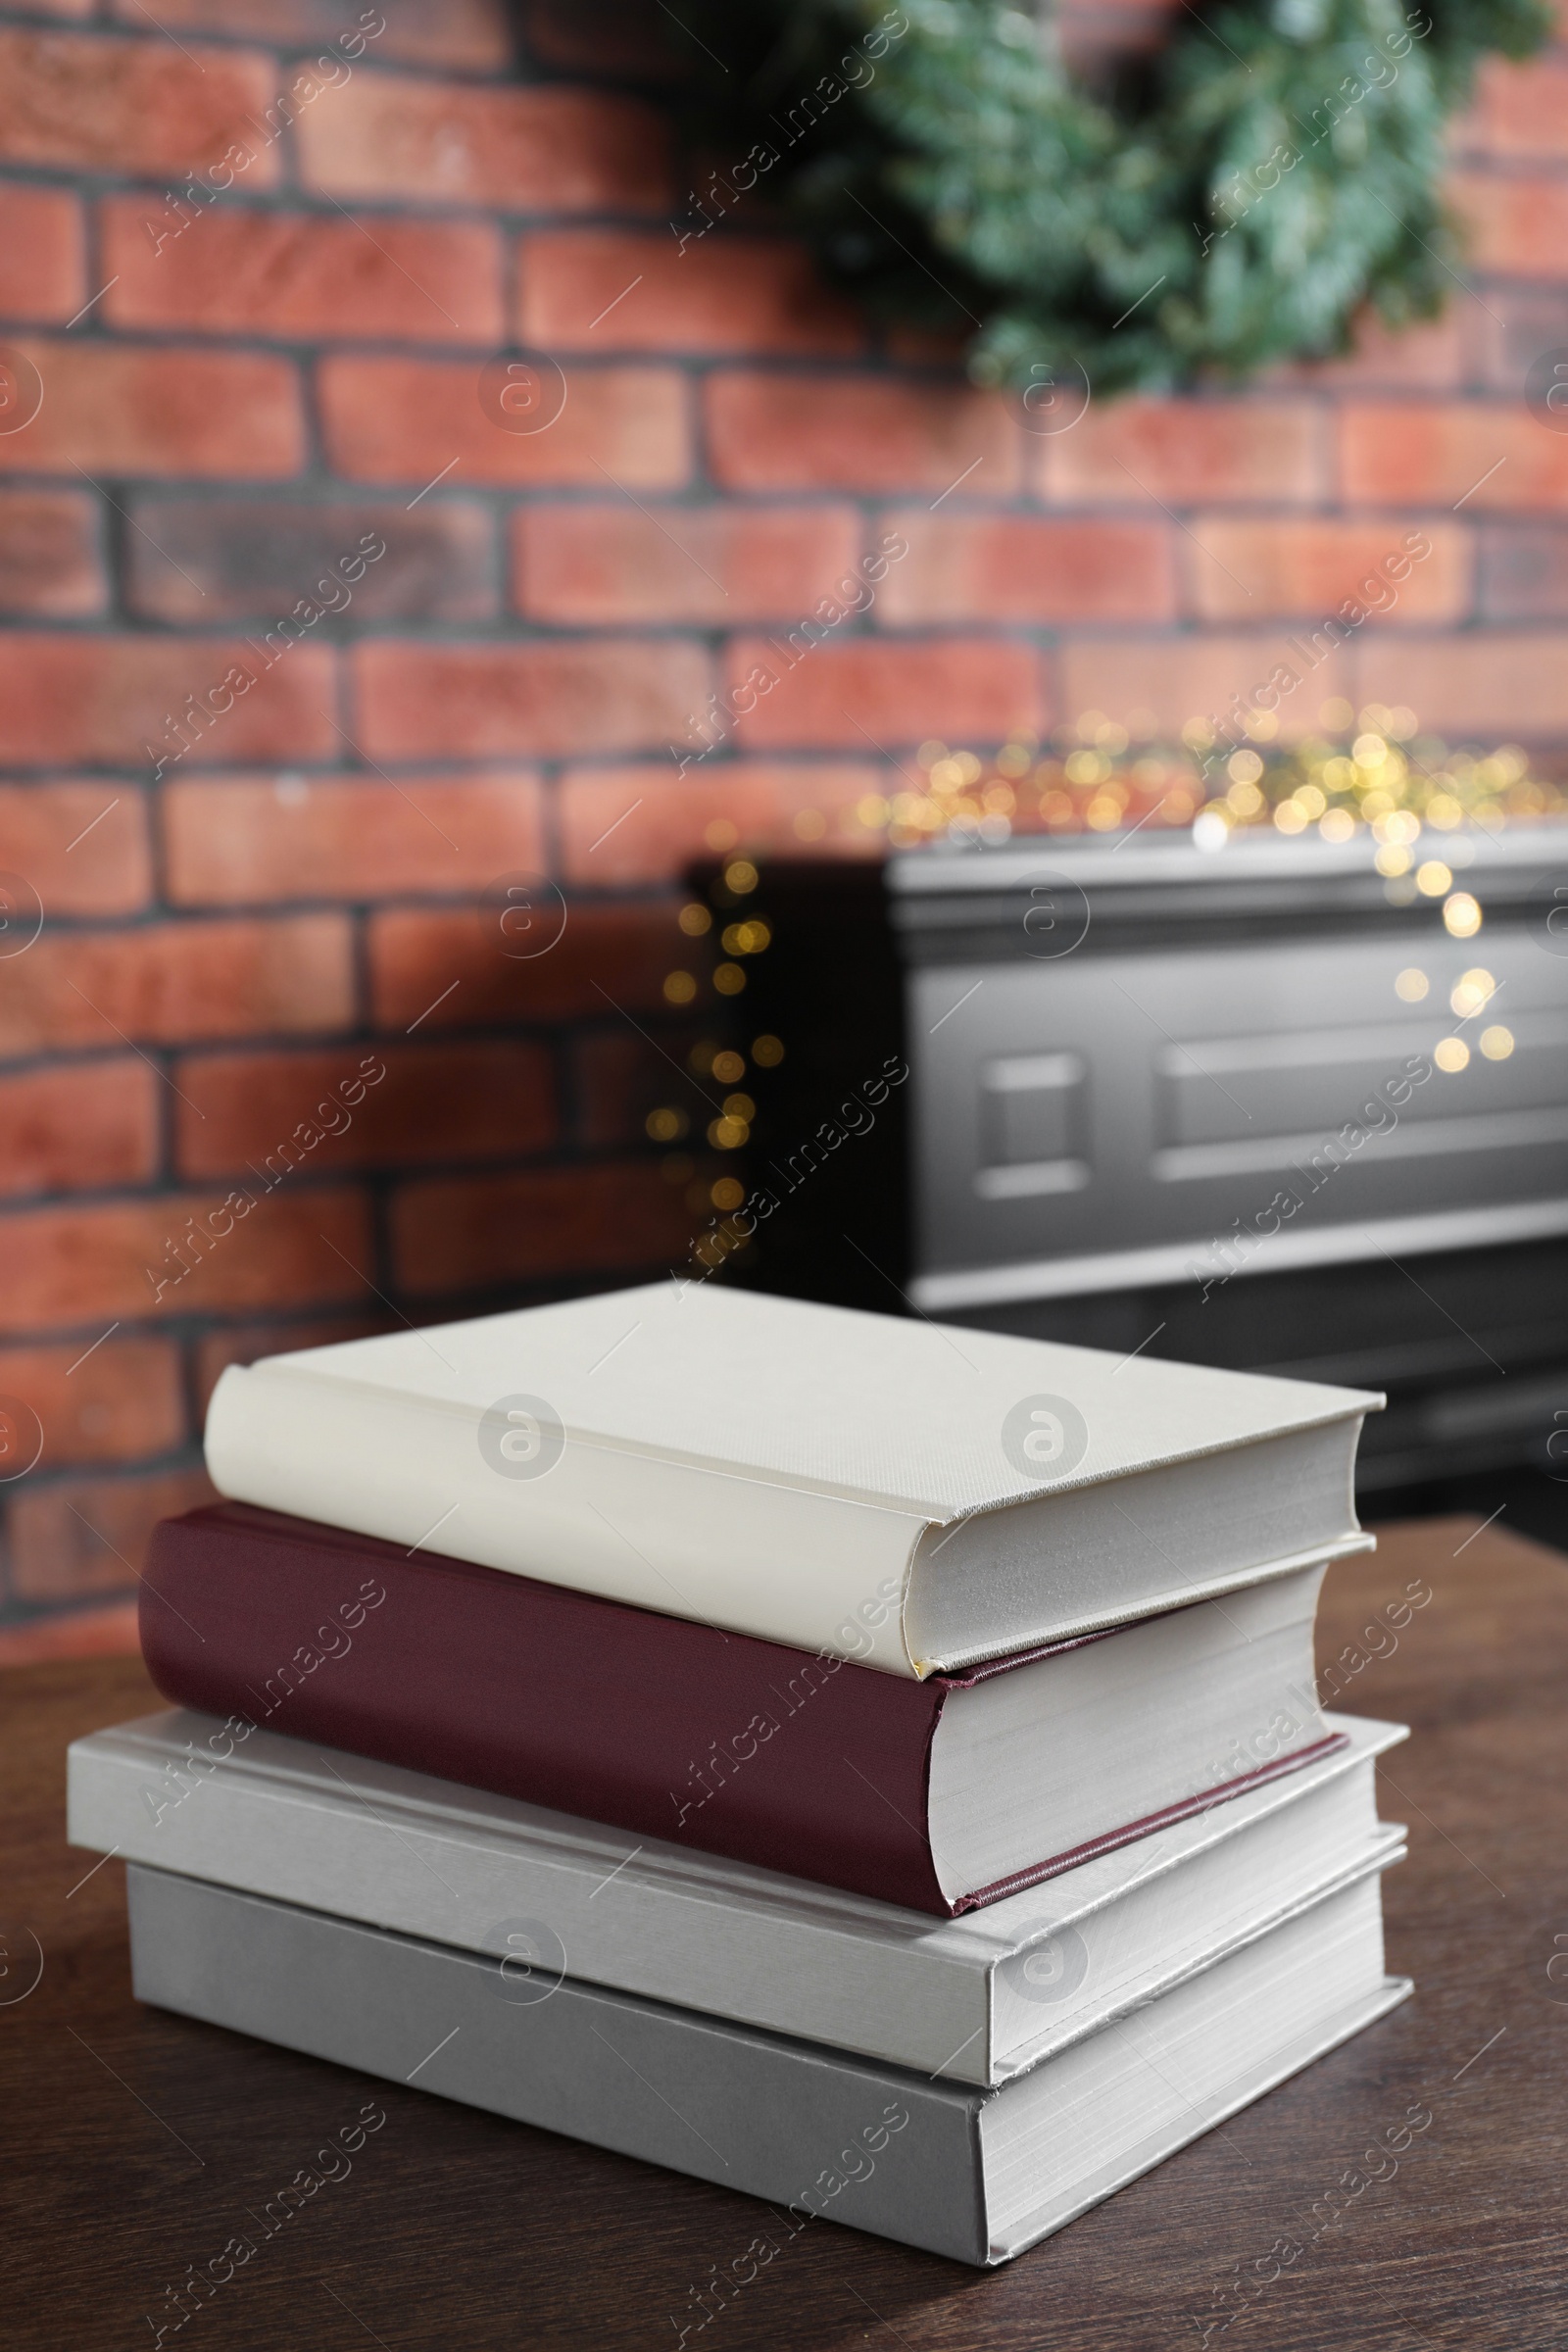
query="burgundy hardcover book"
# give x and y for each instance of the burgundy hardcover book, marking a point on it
(938, 1795)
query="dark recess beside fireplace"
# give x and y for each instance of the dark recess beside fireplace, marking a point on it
(1125, 1062)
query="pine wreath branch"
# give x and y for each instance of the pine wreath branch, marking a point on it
(1232, 203)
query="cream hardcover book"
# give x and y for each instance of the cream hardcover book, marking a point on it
(914, 1495)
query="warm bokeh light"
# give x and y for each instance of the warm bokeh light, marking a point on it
(1103, 777)
(1471, 991)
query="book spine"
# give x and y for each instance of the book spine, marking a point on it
(793, 1760)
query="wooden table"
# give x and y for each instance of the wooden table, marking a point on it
(135, 2142)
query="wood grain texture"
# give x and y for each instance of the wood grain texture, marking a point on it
(135, 2142)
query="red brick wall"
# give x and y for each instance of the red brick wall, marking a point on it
(230, 412)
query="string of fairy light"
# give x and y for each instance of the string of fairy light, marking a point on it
(745, 934)
(1374, 770)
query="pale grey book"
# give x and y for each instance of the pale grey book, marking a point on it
(974, 2174)
(976, 2000)
(872, 1487)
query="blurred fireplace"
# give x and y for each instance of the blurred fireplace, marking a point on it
(1184, 1101)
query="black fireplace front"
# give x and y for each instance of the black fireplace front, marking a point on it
(1256, 1106)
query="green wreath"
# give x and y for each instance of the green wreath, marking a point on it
(1230, 203)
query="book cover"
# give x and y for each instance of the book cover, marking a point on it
(804, 1763)
(975, 2000)
(907, 1496)
(974, 2175)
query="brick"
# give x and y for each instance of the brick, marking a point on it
(238, 269)
(1418, 452)
(552, 149)
(1097, 36)
(1506, 684)
(964, 689)
(618, 1078)
(453, 1235)
(85, 1264)
(432, 1105)
(1434, 355)
(76, 1128)
(621, 825)
(1162, 683)
(51, 556)
(119, 1404)
(1305, 567)
(605, 290)
(91, 1535)
(108, 1632)
(159, 410)
(620, 38)
(776, 432)
(597, 565)
(404, 420)
(1520, 111)
(141, 107)
(1524, 573)
(926, 347)
(111, 700)
(469, 35)
(1024, 567)
(84, 847)
(1518, 324)
(43, 260)
(418, 701)
(166, 983)
(248, 1342)
(219, 559)
(608, 958)
(1182, 452)
(1516, 227)
(255, 839)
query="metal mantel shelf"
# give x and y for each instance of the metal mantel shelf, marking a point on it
(1166, 884)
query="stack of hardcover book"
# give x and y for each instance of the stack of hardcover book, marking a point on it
(866, 1763)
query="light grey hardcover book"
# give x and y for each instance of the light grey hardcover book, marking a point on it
(975, 2174)
(978, 1999)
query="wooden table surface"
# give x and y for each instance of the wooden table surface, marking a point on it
(135, 2142)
